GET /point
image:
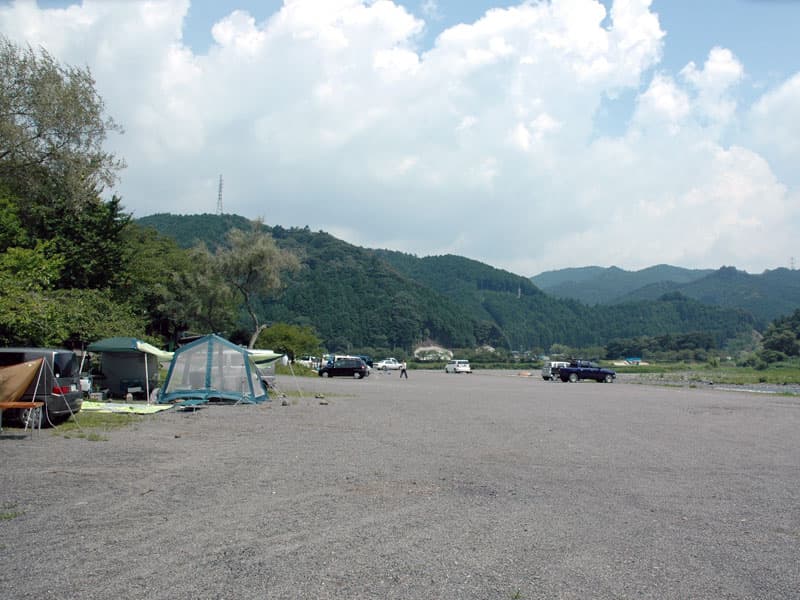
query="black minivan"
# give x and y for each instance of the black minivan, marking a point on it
(57, 385)
(345, 367)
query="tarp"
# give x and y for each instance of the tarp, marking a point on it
(129, 344)
(130, 408)
(261, 357)
(15, 379)
(129, 363)
(213, 369)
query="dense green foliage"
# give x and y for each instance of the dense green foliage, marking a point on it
(782, 338)
(356, 298)
(291, 340)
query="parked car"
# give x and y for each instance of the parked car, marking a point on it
(458, 366)
(550, 370)
(58, 386)
(584, 369)
(388, 364)
(311, 362)
(345, 367)
(367, 359)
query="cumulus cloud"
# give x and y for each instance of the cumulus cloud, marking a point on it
(773, 128)
(327, 114)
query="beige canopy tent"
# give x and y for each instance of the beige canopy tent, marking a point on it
(15, 379)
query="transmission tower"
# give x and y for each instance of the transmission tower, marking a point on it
(219, 197)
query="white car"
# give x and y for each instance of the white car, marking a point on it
(550, 369)
(387, 364)
(458, 366)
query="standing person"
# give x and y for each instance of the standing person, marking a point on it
(403, 372)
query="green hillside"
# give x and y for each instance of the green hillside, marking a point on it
(527, 317)
(356, 297)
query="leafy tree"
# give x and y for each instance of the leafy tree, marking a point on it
(783, 335)
(252, 264)
(12, 233)
(198, 298)
(51, 121)
(153, 275)
(53, 165)
(292, 340)
(62, 317)
(29, 269)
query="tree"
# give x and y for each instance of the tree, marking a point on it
(198, 297)
(51, 122)
(782, 340)
(53, 167)
(252, 265)
(11, 232)
(292, 340)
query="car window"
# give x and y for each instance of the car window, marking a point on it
(65, 364)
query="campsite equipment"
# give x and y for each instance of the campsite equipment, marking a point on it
(56, 383)
(14, 380)
(129, 365)
(212, 369)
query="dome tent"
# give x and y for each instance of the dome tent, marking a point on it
(212, 369)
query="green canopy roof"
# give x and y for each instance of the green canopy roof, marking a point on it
(128, 344)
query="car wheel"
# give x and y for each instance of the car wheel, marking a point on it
(325, 374)
(357, 375)
(573, 377)
(609, 379)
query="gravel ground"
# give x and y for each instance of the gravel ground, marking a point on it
(488, 485)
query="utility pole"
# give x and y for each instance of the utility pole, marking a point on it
(219, 197)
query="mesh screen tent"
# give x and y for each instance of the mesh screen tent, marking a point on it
(212, 369)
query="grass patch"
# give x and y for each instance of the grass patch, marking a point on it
(92, 426)
(8, 511)
(296, 370)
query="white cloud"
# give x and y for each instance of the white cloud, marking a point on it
(713, 84)
(773, 128)
(663, 104)
(484, 145)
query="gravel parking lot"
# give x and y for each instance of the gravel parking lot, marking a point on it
(488, 485)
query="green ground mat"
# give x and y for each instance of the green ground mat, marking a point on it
(134, 408)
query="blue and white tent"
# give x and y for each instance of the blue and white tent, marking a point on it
(212, 369)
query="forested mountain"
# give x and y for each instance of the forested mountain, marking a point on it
(357, 297)
(598, 285)
(767, 296)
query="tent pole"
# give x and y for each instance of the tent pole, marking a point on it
(146, 379)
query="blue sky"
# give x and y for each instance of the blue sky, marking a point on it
(534, 136)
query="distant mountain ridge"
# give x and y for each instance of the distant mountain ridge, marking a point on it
(598, 285)
(766, 296)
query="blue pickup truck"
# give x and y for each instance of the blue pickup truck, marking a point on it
(585, 369)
